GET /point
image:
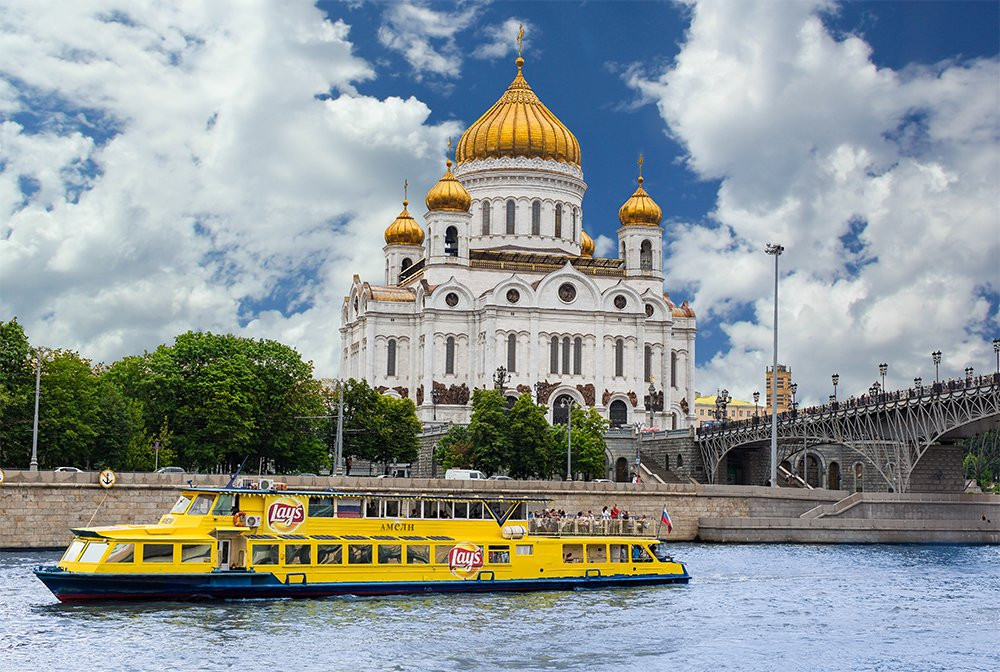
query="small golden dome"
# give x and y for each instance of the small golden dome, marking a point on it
(404, 230)
(448, 194)
(518, 124)
(640, 209)
(586, 244)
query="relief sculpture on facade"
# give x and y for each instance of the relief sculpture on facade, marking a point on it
(402, 391)
(523, 389)
(588, 393)
(606, 398)
(455, 395)
(633, 398)
(543, 390)
(420, 395)
(654, 404)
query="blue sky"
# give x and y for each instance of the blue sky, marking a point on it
(229, 166)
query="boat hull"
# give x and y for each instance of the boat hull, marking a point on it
(84, 587)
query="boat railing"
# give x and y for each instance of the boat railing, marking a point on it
(586, 526)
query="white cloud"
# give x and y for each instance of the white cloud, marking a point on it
(881, 184)
(604, 246)
(501, 39)
(187, 177)
(425, 37)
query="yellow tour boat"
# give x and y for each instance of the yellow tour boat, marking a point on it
(262, 541)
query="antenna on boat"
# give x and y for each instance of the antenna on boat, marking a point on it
(236, 474)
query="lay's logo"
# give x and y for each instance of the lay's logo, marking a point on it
(285, 514)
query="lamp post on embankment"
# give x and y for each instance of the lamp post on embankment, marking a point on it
(33, 465)
(775, 250)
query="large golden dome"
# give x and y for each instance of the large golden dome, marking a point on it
(640, 209)
(586, 244)
(404, 230)
(518, 124)
(448, 194)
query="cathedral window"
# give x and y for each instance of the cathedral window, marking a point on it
(574, 224)
(486, 218)
(510, 216)
(673, 369)
(390, 365)
(565, 355)
(451, 241)
(577, 356)
(619, 357)
(648, 368)
(536, 218)
(558, 232)
(646, 256)
(512, 353)
(554, 355)
(623, 253)
(449, 355)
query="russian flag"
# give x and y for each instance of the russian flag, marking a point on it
(665, 519)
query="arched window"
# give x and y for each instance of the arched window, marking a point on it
(673, 369)
(407, 262)
(558, 232)
(646, 256)
(565, 355)
(666, 460)
(390, 366)
(578, 356)
(561, 409)
(449, 355)
(623, 253)
(486, 218)
(680, 458)
(536, 218)
(554, 355)
(618, 413)
(451, 241)
(512, 353)
(648, 364)
(833, 476)
(859, 477)
(619, 357)
(510, 216)
(574, 224)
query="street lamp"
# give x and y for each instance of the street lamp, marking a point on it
(33, 465)
(996, 350)
(756, 398)
(652, 391)
(775, 250)
(568, 405)
(883, 368)
(793, 388)
(501, 378)
(936, 357)
(722, 400)
(836, 379)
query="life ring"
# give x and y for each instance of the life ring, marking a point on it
(238, 519)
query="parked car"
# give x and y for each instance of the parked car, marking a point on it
(464, 474)
(497, 477)
(602, 480)
(73, 470)
(170, 470)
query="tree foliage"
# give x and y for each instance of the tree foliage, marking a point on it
(488, 430)
(455, 450)
(378, 428)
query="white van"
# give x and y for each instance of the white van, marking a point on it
(464, 474)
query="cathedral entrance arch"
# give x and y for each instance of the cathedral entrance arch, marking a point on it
(618, 413)
(560, 409)
(834, 476)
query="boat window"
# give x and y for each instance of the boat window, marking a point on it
(94, 551)
(196, 553)
(445, 510)
(348, 508)
(418, 510)
(224, 506)
(390, 554)
(297, 554)
(157, 552)
(660, 552)
(122, 553)
(519, 512)
(202, 505)
(596, 553)
(265, 554)
(321, 507)
(329, 554)
(476, 510)
(181, 505)
(73, 552)
(499, 555)
(391, 509)
(640, 554)
(418, 554)
(618, 553)
(525, 549)
(572, 552)
(441, 554)
(373, 508)
(359, 554)
(461, 510)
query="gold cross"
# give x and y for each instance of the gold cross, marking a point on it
(640, 165)
(449, 145)
(520, 38)
(406, 185)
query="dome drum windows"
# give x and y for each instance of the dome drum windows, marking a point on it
(536, 218)
(511, 210)
(558, 227)
(449, 356)
(512, 353)
(487, 206)
(390, 365)
(619, 357)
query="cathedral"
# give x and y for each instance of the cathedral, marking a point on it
(500, 288)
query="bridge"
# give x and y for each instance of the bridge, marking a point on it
(892, 430)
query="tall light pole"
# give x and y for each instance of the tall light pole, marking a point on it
(936, 358)
(775, 250)
(996, 350)
(652, 391)
(756, 398)
(568, 405)
(33, 465)
(793, 388)
(340, 428)
(883, 368)
(836, 379)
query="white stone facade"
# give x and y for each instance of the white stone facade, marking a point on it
(480, 298)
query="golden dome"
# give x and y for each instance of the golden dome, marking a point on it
(640, 209)
(448, 194)
(404, 230)
(586, 244)
(518, 124)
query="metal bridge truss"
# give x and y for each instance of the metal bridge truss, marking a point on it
(892, 431)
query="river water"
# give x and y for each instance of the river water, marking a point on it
(761, 607)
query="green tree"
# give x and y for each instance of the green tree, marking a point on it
(17, 394)
(488, 430)
(68, 411)
(399, 428)
(455, 450)
(530, 443)
(361, 420)
(589, 447)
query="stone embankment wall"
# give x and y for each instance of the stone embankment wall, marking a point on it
(37, 509)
